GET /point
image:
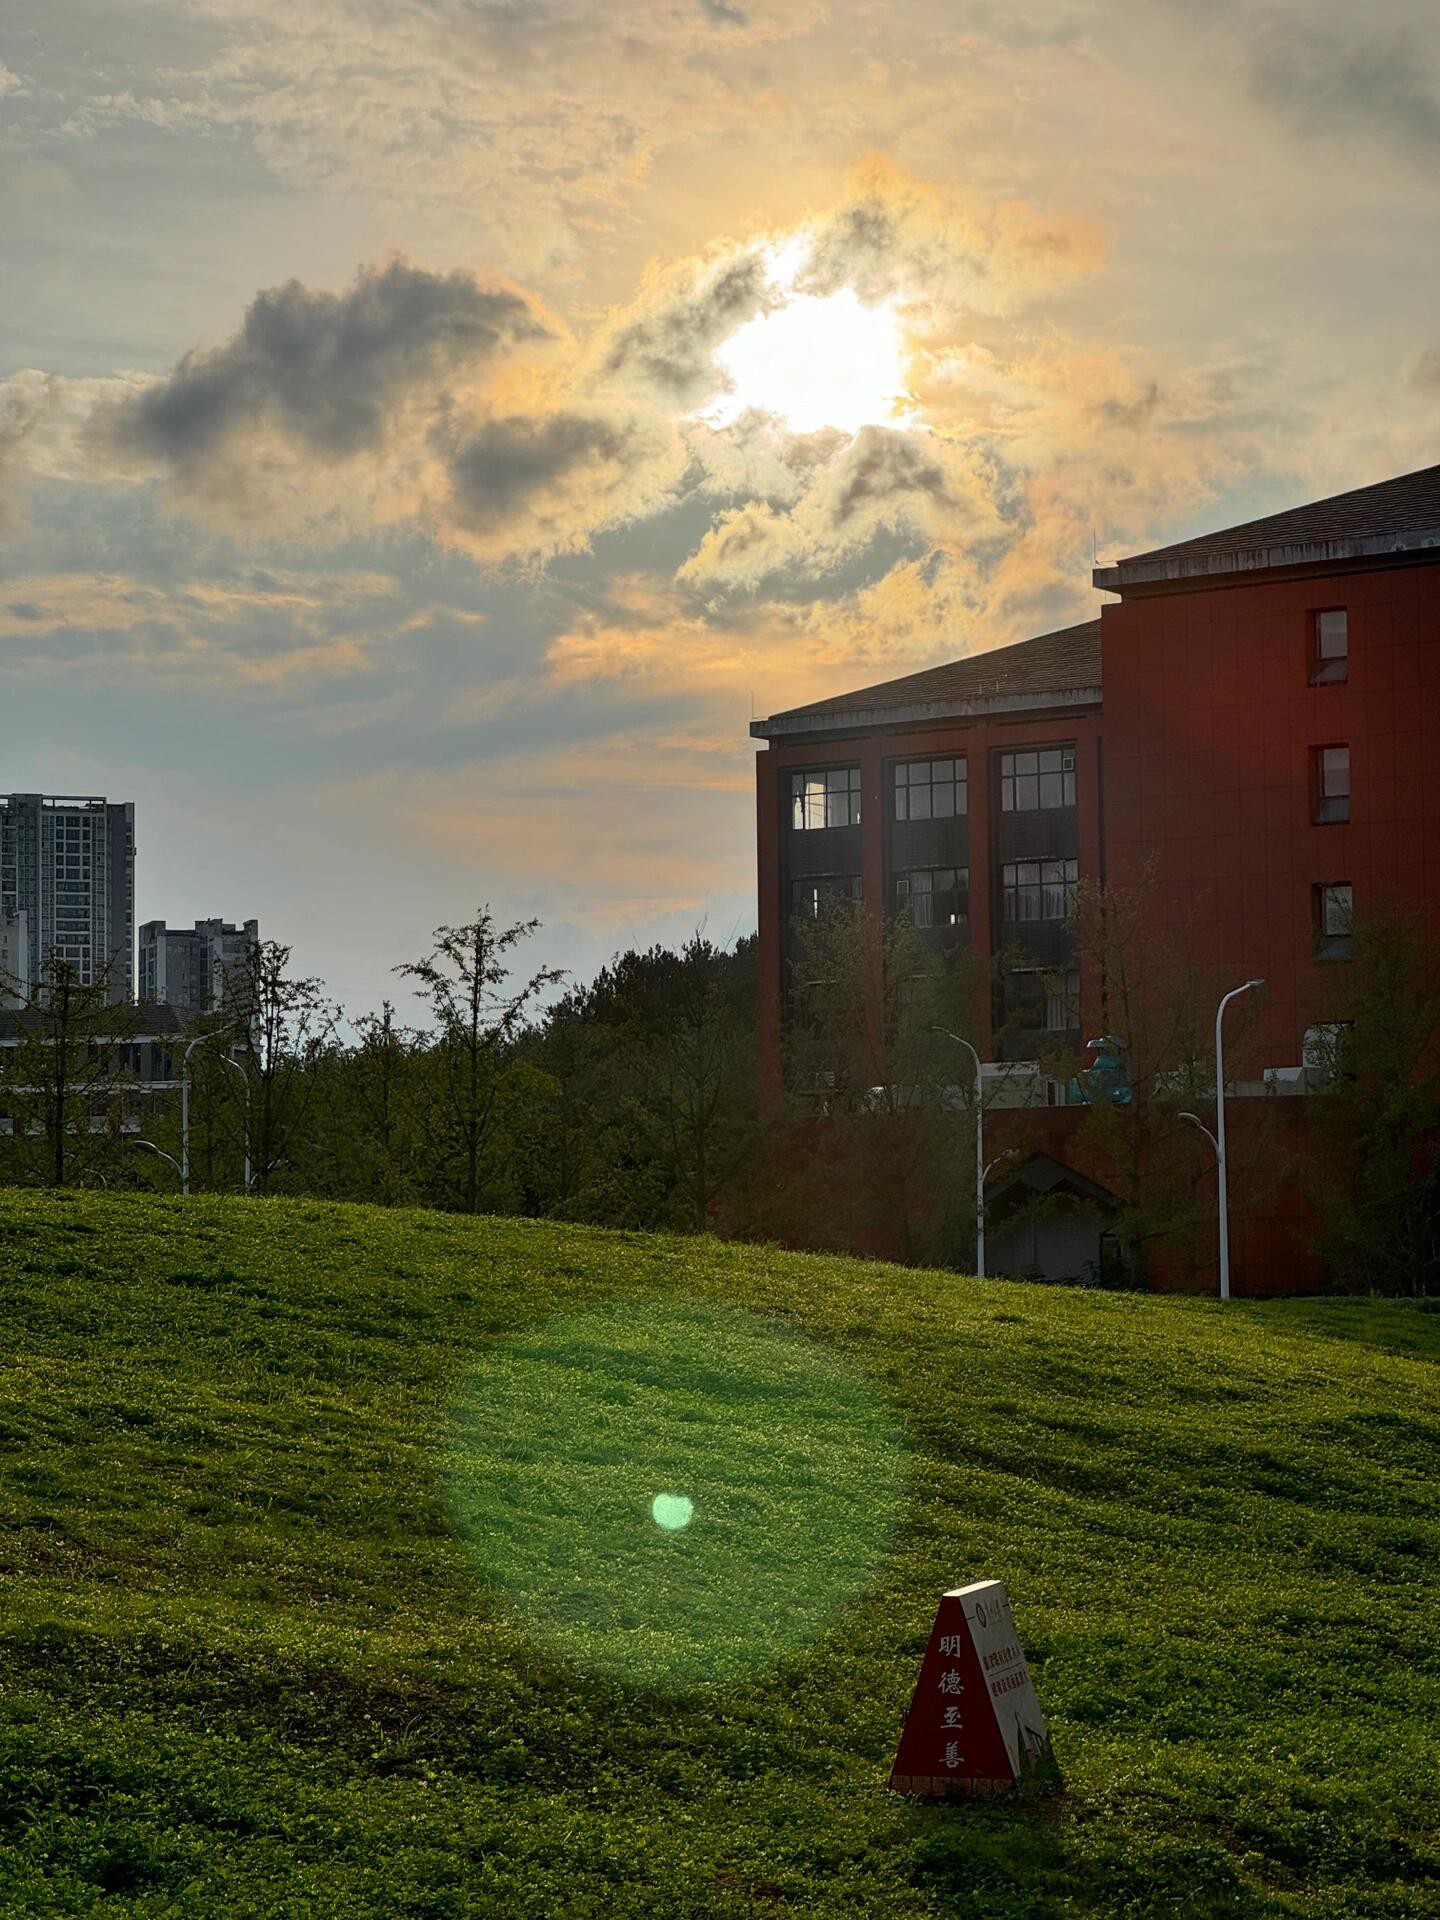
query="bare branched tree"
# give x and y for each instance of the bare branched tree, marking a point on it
(477, 1016)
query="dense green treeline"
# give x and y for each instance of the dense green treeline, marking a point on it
(634, 1101)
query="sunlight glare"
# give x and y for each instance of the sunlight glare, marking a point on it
(816, 362)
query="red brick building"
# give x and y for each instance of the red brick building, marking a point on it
(1258, 715)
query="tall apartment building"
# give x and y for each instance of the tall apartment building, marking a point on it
(14, 956)
(186, 967)
(1255, 723)
(68, 865)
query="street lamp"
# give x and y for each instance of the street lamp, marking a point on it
(1217, 1139)
(168, 1158)
(980, 1167)
(199, 1041)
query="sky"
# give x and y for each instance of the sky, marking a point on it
(431, 429)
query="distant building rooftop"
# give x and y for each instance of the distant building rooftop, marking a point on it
(1053, 669)
(1400, 516)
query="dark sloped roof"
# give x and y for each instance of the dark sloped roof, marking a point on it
(142, 1022)
(1402, 514)
(1063, 663)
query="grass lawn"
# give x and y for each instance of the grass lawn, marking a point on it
(329, 1583)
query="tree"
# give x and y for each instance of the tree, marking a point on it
(882, 1105)
(281, 1029)
(66, 1079)
(477, 1018)
(1376, 1119)
(1149, 991)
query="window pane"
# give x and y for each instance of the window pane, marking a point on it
(902, 804)
(919, 803)
(943, 806)
(1335, 770)
(1052, 790)
(1026, 793)
(1332, 635)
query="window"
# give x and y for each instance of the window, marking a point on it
(935, 896)
(829, 799)
(1329, 647)
(1046, 1000)
(1325, 1052)
(931, 789)
(807, 897)
(1062, 1001)
(1039, 889)
(1334, 920)
(1332, 785)
(1039, 779)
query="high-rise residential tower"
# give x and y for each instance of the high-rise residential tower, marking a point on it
(68, 865)
(187, 967)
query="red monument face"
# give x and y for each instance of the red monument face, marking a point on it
(974, 1724)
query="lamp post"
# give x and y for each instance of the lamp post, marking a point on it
(168, 1158)
(980, 1167)
(199, 1041)
(1217, 1139)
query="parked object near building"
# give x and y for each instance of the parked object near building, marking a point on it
(1255, 723)
(187, 967)
(68, 866)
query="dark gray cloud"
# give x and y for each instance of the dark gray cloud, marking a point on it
(326, 369)
(545, 483)
(672, 345)
(1330, 82)
(879, 469)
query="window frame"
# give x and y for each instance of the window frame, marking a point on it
(1011, 889)
(800, 802)
(1331, 809)
(906, 895)
(1333, 669)
(902, 790)
(1333, 943)
(1012, 774)
(837, 886)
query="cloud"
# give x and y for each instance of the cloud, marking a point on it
(882, 480)
(325, 372)
(942, 248)
(1327, 82)
(669, 336)
(543, 484)
(43, 417)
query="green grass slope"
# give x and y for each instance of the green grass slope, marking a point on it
(317, 1596)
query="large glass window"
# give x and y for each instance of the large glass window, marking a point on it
(935, 896)
(825, 799)
(931, 789)
(1329, 646)
(1038, 889)
(808, 896)
(1332, 785)
(1038, 779)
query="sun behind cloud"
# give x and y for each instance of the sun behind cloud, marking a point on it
(814, 361)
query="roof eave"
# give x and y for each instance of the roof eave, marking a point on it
(1144, 571)
(867, 719)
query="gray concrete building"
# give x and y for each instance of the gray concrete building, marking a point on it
(14, 956)
(68, 865)
(186, 967)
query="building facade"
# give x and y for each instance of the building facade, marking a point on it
(188, 967)
(68, 865)
(1255, 723)
(14, 957)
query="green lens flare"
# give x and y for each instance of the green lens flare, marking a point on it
(672, 1511)
(792, 1468)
